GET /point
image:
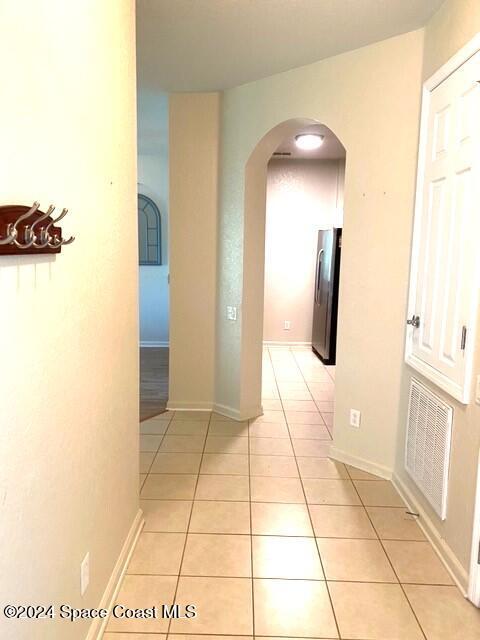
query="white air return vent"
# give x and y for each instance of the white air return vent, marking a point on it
(427, 455)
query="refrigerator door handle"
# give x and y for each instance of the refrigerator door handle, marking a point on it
(318, 272)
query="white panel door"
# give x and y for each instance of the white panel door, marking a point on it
(444, 278)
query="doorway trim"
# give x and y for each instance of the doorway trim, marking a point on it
(255, 196)
(254, 258)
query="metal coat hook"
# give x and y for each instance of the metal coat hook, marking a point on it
(12, 231)
(44, 237)
(54, 241)
(29, 237)
(9, 238)
(63, 243)
(26, 229)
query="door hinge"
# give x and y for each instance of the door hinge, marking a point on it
(478, 559)
(464, 338)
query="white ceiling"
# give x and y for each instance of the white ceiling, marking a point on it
(207, 45)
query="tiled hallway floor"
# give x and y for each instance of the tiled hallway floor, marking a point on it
(267, 536)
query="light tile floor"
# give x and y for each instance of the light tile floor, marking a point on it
(268, 537)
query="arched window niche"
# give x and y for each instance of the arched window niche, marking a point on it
(149, 232)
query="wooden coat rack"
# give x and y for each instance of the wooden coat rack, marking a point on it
(27, 230)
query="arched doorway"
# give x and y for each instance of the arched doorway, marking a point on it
(254, 257)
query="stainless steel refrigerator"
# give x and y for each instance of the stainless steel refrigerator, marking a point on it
(325, 305)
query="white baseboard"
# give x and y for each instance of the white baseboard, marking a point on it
(235, 414)
(360, 463)
(97, 628)
(144, 343)
(224, 410)
(450, 561)
(285, 343)
(176, 405)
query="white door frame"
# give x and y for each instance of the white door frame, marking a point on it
(456, 61)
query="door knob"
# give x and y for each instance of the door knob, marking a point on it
(414, 321)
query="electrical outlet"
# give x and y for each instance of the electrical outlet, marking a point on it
(286, 325)
(85, 574)
(477, 391)
(231, 313)
(355, 418)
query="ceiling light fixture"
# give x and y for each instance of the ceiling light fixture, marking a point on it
(309, 141)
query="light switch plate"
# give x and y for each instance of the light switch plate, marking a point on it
(355, 418)
(477, 391)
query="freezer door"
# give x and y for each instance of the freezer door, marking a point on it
(323, 294)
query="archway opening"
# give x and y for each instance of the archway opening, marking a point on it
(292, 263)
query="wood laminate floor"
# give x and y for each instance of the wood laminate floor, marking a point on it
(153, 381)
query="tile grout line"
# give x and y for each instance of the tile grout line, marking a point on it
(188, 523)
(244, 577)
(309, 390)
(279, 535)
(311, 524)
(251, 530)
(308, 511)
(332, 381)
(315, 401)
(145, 479)
(381, 543)
(371, 522)
(155, 454)
(389, 561)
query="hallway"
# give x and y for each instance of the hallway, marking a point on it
(204, 109)
(254, 525)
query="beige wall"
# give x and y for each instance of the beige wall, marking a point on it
(194, 146)
(374, 111)
(302, 197)
(68, 324)
(452, 27)
(456, 22)
(370, 98)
